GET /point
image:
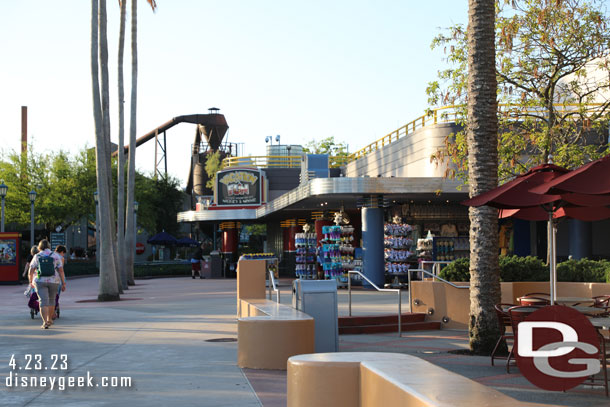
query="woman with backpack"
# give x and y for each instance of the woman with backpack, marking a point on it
(47, 272)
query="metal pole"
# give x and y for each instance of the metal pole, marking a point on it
(551, 258)
(31, 223)
(2, 224)
(409, 288)
(554, 260)
(97, 236)
(349, 293)
(399, 313)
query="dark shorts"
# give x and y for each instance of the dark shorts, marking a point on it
(196, 266)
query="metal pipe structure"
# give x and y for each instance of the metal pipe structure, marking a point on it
(387, 290)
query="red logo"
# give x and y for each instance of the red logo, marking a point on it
(557, 348)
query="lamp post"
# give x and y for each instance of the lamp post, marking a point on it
(3, 191)
(32, 195)
(97, 232)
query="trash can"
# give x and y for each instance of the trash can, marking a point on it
(215, 265)
(318, 299)
(206, 271)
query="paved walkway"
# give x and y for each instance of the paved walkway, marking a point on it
(174, 338)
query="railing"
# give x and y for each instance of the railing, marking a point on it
(264, 161)
(436, 265)
(433, 277)
(448, 114)
(445, 114)
(277, 161)
(272, 285)
(349, 293)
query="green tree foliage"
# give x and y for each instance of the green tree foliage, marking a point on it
(337, 151)
(212, 166)
(65, 185)
(160, 201)
(551, 67)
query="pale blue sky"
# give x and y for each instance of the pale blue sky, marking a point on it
(355, 69)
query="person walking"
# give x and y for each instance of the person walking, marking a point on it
(26, 270)
(196, 259)
(46, 274)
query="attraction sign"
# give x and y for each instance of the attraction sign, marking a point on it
(239, 187)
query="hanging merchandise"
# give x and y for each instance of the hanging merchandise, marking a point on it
(337, 256)
(306, 255)
(397, 247)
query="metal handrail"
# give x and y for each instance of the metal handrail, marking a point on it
(433, 277)
(349, 291)
(448, 114)
(272, 284)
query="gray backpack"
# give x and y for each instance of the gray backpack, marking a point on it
(46, 266)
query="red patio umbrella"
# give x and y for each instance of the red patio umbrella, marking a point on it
(515, 198)
(592, 178)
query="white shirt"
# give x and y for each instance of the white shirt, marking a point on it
(57, 262)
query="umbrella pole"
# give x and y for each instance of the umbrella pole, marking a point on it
(551, 252)
(554, 298)
(549, 237)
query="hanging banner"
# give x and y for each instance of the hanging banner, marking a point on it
(239, 187)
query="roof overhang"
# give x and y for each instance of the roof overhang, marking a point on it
(331, 193)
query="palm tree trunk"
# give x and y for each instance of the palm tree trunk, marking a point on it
(108, 288)
(131, 173)
(121, 157)
(482, 139)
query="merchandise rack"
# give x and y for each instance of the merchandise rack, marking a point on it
(306, 256)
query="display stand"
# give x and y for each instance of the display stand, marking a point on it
(450, 248)
(337, 255)
(398, 253)
(306, 255)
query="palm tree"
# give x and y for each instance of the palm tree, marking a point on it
(121, 156)
(482, 139)
(131, 171)
(108, 288)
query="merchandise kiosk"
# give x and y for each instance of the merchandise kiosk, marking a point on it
(9, 257)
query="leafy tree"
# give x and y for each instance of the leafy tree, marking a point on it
(337, 151)
(64, 187)
(160, 201)
(213, 164)
(481, 142)
(552, 67)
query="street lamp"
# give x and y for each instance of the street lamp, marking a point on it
(32, 195)
(3, 191)
(97, 232)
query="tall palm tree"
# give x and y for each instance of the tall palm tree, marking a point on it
(108, 288)
(131, 171)
(482, 139)
(121, 156)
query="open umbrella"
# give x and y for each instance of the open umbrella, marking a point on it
(187, 242)
(591, 178)
(162, 239)
(515, 198)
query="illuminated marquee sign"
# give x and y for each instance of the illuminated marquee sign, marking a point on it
(239, 187)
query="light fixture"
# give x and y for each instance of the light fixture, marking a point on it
(3, 189)
(95, 198)
(268, 139)
(32, 195)
(136, 205)
(277, 139)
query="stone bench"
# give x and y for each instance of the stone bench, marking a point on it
(371, 379)
(269, 333)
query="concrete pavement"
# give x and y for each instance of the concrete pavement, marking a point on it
(174, 338)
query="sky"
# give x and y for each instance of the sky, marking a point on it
(305, 70)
